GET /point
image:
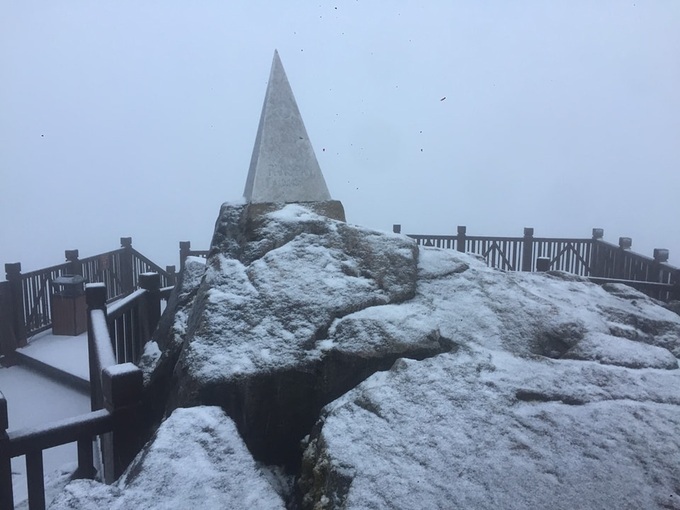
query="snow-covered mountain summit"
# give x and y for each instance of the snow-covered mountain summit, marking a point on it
(384, 376)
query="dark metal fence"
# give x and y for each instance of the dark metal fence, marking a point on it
(593, 258)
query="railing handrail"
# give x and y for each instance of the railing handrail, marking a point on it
(57, 433)
(637, 283)
(154, 267)
(100, 255)
(45, 270)
(120, 306)
(104, 353)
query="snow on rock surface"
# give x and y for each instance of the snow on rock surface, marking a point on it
(293, 309)
(266, 308)
(506, 421)
(486, 429)
(481, 388)
(195, 460)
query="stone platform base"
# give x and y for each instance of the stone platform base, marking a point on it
(329, 208)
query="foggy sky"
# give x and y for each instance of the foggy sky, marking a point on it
(138, 118)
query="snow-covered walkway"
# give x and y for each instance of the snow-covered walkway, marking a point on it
(35, 399)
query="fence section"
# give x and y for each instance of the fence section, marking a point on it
(593, 258)
(186, 251)
(115, 391)
(28, 297)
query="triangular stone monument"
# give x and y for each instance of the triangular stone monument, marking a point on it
(284, 168)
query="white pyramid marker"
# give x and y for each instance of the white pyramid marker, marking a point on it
(283, 167)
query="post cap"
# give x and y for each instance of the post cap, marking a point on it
(661, 254)
(625, 243)
(122, 384)
(396, 228)
(125, 242)
(150, 281)
(528, 232)
(13, 269)
(71, 255)
(598, 233)
(185, 245)
(95, 296)
(462, 229)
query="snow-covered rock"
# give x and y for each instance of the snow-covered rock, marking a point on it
(486, 430)
(507, 420)
(195, 460)
(418, 378)
(265, 337)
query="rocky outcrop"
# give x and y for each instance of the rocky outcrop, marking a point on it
(511, 419)
(271, 335)
(195, 460)
(486, 429)
(418, 378)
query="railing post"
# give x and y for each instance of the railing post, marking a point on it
(660, 256)
(625, 244)
(184, 249)
(596, 256)
(75, 267)
(122, 388)
(35, 479)
(151, 283)
(86, 467)
(527, 249)
(8, 341)
(13, 275)
(95, 296)
(172, 275)
(396, 228)
(675, 280)
(126, 266)
(460, 238)
(6, 494)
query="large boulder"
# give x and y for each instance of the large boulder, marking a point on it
(274, 331)
(195, 460)
(562, 394)
(486, 430)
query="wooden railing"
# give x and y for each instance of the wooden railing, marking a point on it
(594, 258)
(186, 251)
(116, 335)
(28, 296)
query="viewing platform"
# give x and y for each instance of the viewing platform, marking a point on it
(50, 382)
